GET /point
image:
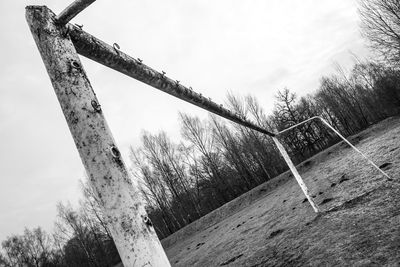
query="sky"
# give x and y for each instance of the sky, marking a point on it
(245, 47)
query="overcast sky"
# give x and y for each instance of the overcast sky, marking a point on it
(247, 47)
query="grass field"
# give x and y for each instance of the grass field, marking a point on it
(273, 225)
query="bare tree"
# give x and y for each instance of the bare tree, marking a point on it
(381, 26)
(33, 248)
(155, 190)
(254, 144)
(200, 136)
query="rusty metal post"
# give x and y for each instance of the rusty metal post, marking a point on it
(131, 229)
(72, 10)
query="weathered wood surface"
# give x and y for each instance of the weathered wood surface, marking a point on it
(72, 10)
(126, 217)
(110, 56)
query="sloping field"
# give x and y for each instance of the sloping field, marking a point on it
(272, 225)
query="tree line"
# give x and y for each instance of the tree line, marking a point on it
(80, 238)
(216, 161)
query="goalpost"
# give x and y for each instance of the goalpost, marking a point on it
(341, 137)
(59, 44)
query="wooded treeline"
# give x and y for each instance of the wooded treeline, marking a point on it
(216, 161)
(80, 238)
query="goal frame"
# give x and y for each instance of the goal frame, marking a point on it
(59, 44)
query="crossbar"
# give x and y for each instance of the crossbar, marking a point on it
(110, 56)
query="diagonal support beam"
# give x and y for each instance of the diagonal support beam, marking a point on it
(97, 50)
(124, 210)
(72, 10)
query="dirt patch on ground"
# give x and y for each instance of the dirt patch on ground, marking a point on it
(362, 232)
(271, 226)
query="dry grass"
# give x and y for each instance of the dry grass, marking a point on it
(272, 225)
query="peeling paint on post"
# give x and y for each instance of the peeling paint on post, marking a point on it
(127, 220)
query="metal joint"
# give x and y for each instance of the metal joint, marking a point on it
(116, 48)
(147, 221)
(96, 106)
(65, 31)
(79, 26)
(115, 152)
(75, 65)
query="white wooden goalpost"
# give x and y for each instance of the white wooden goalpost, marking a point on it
(59, 44)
